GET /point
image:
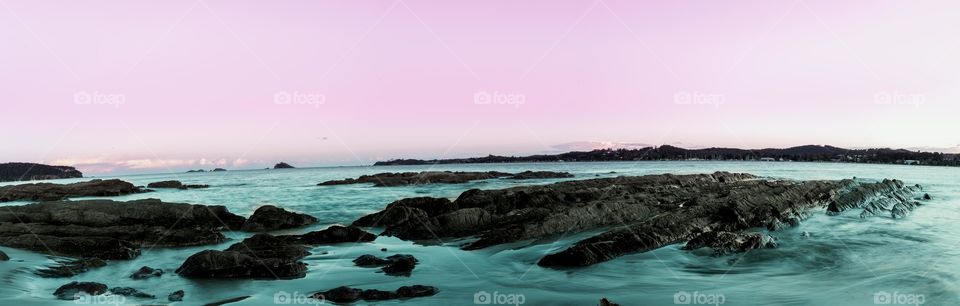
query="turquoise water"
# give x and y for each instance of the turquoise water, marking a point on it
(844, 260)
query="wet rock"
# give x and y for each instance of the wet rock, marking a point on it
(527, 175)
(349, 295)
(269, 217)
(261, 256)
(176, 296)
(282, 165)
(112, 230)
(332, 234)
(55, 192)
(227, 301)
(146, 272)
(726, 242)
(418, 178)
(73, 290)
(606, 302)
(70, 267)
(657, 210)
(131, 292)
(4, 256)
(395, 265)
(175, 184)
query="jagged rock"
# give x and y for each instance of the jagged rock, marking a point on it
(395, 265)
(269, 217)
(417, 178)
(725, 242)
(176, 296)
(175, 184)
(349, 295)
(332, 234)
(71, 267)
(55, 192)
(606, 302)
(128, 291)
(527, 175)
(647, 212)
(73, 290)
(112, 230)
(146, 272)
(260, 256)
(282, 165)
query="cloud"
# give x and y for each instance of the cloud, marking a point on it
(597, 145)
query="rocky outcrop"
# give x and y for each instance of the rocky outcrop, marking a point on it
(55, 192)
(418, 178)
(112, 230)
(73, 290)
(269, 218)
(647, 212)
(726, 242)
(176, 185)
(395, 265)
(31, 172)
(282, 165)
(350, 295)
(527, 175)
(146, 272)
(265, 256)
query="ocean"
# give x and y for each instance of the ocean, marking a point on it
(827, 260)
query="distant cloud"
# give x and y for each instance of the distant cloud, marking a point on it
(102, 165)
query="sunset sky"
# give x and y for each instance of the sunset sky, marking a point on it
(127, 86)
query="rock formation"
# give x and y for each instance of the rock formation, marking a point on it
(389, 179)
(55, 192)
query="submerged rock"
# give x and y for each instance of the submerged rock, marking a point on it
(55, 192)
(146, 272)
(648, 212)
(726, 242)
(176, 296)
(70, 267)
(417, 178)
(175, 184)
(269, 217)
(395, 265)
(4, 256)
(128, 291)
(526, 175)
(606, 302)
(349, 295)
(73, 290)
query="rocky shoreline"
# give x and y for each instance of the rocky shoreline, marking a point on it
(55, 192)
(389, 179)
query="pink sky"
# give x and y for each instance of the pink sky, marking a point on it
(127, 86)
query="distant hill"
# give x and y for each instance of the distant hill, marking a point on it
(666, 152)
(29, 172)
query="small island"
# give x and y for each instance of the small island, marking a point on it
(283, 165)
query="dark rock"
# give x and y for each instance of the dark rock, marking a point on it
(4, 256)
(176, 296)
(332, 234)
(112, 230)
(282, 165)
(395, 265)
(926, 196)
(349, 295)
(725, 242)
(418, 178)
(219, 169)
(227, 301)
(526, 175)
(383, 249)
(194, 171)
(128, 291)
(73, 290)
(175, 184)
(260, 256)
(71, 267)
(269, 217)
(146, 272)
(55, 192)
(647, 212)
(606, 302)
(33, 172)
